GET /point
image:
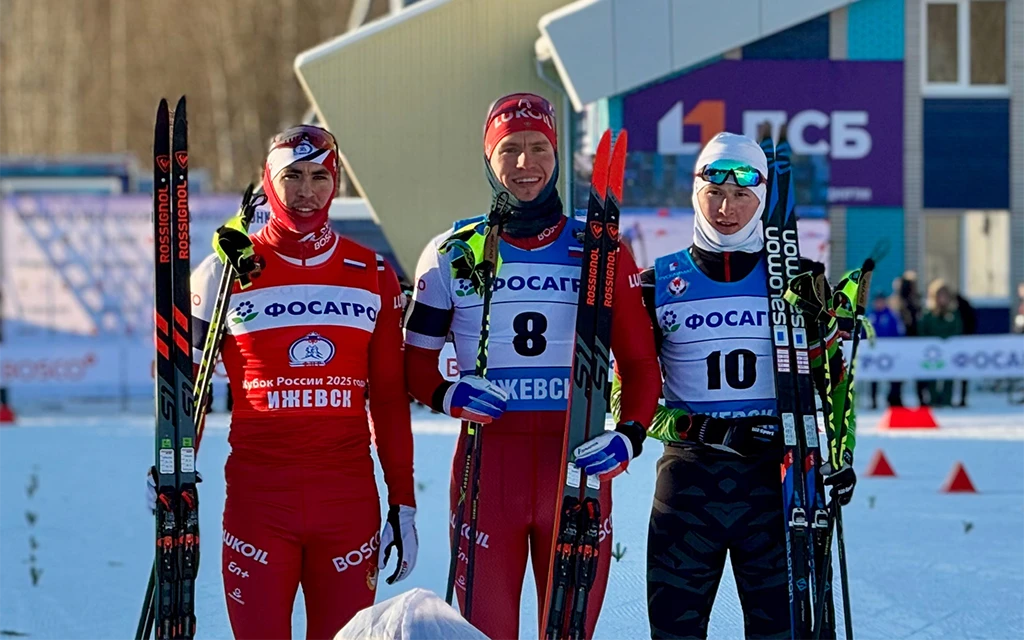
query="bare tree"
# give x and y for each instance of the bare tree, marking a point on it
(118, 73)
(85, 76)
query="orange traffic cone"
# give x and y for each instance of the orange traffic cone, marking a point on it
(958, 481)
(879, 466)
(904, 418)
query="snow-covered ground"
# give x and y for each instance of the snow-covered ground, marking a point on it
(923, 564)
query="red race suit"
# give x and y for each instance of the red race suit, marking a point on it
(312, 344)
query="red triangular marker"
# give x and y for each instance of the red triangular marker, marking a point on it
(879, 466)
(958, 481)
(904, 418)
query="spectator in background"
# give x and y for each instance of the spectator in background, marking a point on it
(906, 304)
(969, 318)
(941, 319)
(887, 325)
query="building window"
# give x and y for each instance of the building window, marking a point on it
(986, 241)
(941, 250)
(970, 250)
(964, 48)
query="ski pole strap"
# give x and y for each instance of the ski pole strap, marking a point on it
(746, 436)
(466, 250)
(802, 294)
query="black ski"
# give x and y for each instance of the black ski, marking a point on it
(166, 428)
(177, 517)
(204, 377)
(574, 554)
(188, 505)
(794, 387)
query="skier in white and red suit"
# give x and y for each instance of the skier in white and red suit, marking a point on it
(532, 333)
(316, 334)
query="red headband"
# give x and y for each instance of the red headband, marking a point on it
(519, 112)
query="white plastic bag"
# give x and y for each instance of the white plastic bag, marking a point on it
(417, 614)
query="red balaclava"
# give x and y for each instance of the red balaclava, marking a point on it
(295, 235)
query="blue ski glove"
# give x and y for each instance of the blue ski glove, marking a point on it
(608, 455)
(475, 399)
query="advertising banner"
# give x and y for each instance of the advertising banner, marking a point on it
(845, 116)
(958, 358)
(83, 264)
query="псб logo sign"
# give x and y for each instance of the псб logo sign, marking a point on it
(847, 138)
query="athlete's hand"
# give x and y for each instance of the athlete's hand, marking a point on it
(403, 520)
(234, 247)
(475, 399)
(150, 491)
(842, 480)
(608, 455)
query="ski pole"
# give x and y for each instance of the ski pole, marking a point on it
(489, 264)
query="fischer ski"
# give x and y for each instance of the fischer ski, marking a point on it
(574, 552)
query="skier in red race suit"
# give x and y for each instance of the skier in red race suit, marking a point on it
(532, 331)
(316, 333)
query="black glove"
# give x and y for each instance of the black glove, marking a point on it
(842, 480)
(235, 248)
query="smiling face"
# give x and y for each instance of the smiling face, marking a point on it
(728, 207)
(304, 187)
(523, 162)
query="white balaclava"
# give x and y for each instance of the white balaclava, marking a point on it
(750, 238)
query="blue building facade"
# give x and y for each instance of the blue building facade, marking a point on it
(961, 214)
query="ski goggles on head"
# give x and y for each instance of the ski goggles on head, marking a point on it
(315, 137)
(304, 143)
(719, 171)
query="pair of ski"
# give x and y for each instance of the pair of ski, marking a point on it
(573, 563)
(574, 554)
(181, 405)
(808, 519)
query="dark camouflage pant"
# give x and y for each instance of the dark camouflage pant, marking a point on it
(707, 503)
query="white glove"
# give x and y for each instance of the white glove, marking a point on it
(150, 492)
(402, 519)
